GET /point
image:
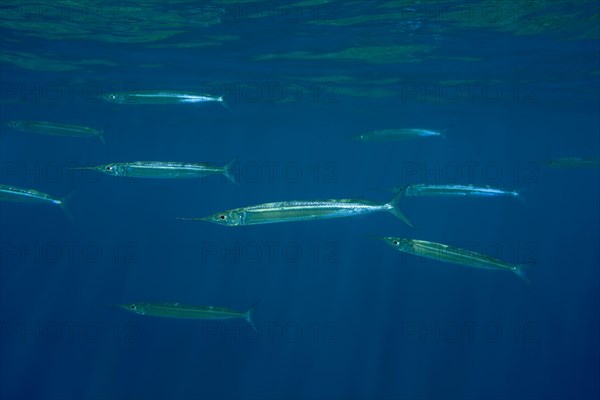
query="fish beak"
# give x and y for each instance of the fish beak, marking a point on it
(374, 236)
(94, 168)
(192, 219)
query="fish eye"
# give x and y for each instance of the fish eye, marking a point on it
(112, 96)
(395, 242)
(132, 307)
(222, 217)
(108, 168)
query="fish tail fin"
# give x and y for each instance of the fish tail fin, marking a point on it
(444, 134)
(64, 205)
(395, 207)
(102, 132)
(519, 194)
(249, 316)
(224, 103)
(229, 170)
(520, 271)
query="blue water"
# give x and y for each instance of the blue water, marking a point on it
(338, 314)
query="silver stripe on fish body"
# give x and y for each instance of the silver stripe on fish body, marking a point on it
(180, 311)
(55, 129)
(454, 255)
(290, 211)
(12, 193)
(22, 195)
(456, 190)
(160, 97)
(165, 169)
(397, 134)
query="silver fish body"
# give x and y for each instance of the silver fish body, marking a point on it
(180, 311)
(397, 134)
(574, 162)
(165, 169)
(55, 129)
(22, 195)
(425, 190)
(453, 255)
(160, 97)
(290, 211)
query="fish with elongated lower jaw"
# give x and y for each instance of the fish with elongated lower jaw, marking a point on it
(426, 190)
(304, 210)
(180, 311)
(574, 162)
(164, 169)
(56, 129)
(454, 255)
(161, 97)
(397, 134)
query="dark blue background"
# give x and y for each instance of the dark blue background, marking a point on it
(386, 322)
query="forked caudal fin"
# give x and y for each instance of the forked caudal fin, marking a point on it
(520, 271)
(395, 207)
(249, 316)
(64, 205)
(223, 103)
(228, 170)
(64, 202)
(443, 134)
(518, 194)
(102, 132)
